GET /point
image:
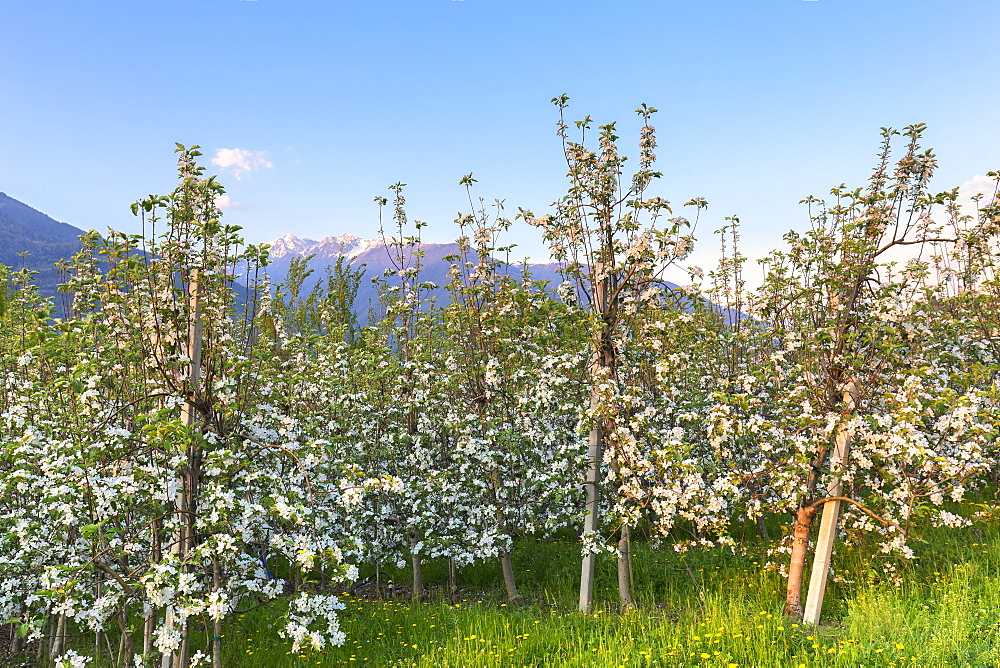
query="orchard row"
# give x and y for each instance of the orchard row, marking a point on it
(190, 441)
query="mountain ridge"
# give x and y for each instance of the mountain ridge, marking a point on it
(373, 257)
(35, 241)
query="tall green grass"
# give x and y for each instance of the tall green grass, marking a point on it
(710, 607)
(702, 608)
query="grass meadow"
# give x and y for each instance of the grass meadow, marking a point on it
(716, 607)
(711, 608)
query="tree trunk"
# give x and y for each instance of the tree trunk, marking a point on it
(183, 504)
(762, 528)
(508, 577)
(602, 361)
(16, 641)
(217, 623)
(149, 627)
(831, 512)
(821, 562)
(59, 641)
(177, 547)
(120, 661)
(98, 634)
(418, 570)
(590, 521)
(126, 637)
(796, 567)
(625, 567)
(182, 654)
(147, 635)
(452, 580)
(40, 648)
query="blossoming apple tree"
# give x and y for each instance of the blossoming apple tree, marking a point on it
(851, 399)
(154, 467)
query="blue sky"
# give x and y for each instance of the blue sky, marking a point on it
(328, 102)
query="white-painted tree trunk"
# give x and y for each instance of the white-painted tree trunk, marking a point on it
(590, 521)
(595, 457)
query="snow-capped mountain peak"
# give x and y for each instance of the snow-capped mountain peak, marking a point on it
(290, 245)
(348, 245)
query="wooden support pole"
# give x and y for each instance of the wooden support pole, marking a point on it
(182, 538)
(828, 521)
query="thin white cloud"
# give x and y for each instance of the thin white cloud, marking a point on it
(239, 161)
(978, 185)
(224, 202)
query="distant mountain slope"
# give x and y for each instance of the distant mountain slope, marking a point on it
(373, 254)
(376, 258)
(44, 240)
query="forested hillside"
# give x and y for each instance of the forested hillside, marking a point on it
(42, 241)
